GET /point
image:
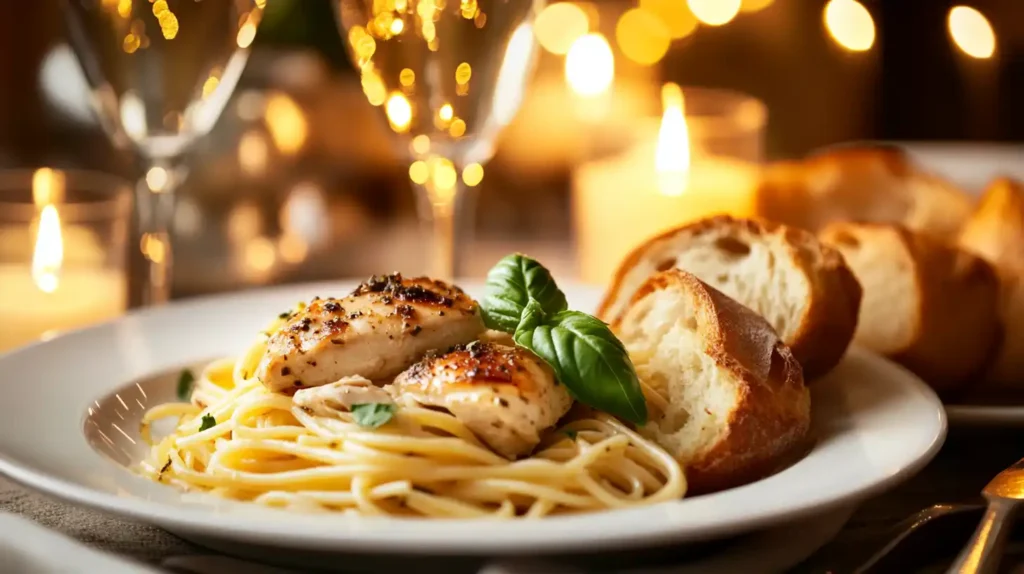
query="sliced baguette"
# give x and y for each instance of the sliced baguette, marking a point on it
(803, 288)
(927, 304)
(878, 184)
(996, 232)
(727, 396)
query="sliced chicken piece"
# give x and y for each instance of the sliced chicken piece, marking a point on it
(340, 396)
(505, 395)
(384, 326)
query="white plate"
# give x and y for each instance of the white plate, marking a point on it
(874, 423)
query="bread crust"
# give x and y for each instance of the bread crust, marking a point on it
(954, 302)
(879, 183)
(996, 232)
(827, 324)
(769, 424)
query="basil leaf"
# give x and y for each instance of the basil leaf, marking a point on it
(511, 284)
(185, 381)
(587, 358)
(208, 422)
(373, 415)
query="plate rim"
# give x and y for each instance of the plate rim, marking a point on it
(209, 522)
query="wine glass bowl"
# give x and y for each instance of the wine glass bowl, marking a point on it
(160, 73)
(449, 75)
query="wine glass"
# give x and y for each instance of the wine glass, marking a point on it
(449, 75)
(160, 73)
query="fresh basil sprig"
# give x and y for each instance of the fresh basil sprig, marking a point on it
(373, 415)
(511, 284)
(584, 353)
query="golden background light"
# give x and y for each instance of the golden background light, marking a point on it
(674, 15)
(419, 172)
(420, 144)
(286, 123)
(472, 174)
(407, 77)
(641, 36)
(850, 24)
(559, 25)
(714, 12)
(373, 86)
(754, 5)
(157, 178)
(971, 32)
(590, 65)
(399, 112)
(247, 33)
(253, 152)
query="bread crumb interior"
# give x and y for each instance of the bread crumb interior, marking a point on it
(661, 334)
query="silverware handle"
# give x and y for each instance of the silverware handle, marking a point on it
(985, 549)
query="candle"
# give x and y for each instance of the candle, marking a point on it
(55, 277)
(80, 297)
(665, 180)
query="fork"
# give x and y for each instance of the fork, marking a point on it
(1004, 495)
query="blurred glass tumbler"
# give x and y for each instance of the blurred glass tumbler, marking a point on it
(62, 251)
(699, 159)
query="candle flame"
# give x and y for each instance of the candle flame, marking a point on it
(49, 251)
(672, 155)
(47, 187)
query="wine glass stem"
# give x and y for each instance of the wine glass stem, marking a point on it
(155, 193)
(445, 213)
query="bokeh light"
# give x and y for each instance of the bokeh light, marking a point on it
(714, 12)
(850, 24)
(559, 25)
(971, 32)
(641, 36)
(399, 112)
(754, 5)
(674, 15)
(590, 65)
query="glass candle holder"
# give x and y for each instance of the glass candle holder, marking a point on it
(700, 158)
(62, 251)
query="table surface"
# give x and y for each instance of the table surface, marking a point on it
(965, 464)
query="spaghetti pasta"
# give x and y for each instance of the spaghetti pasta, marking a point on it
(263, 448)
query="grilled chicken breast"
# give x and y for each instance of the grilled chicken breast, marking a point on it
(505, 395)
(340, 396)
(384, 326)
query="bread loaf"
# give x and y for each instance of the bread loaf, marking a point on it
(878, 184)
(803, 288)
(927, 304)
(996, 232)
(726, 395)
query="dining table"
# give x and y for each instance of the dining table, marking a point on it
(969, 458)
